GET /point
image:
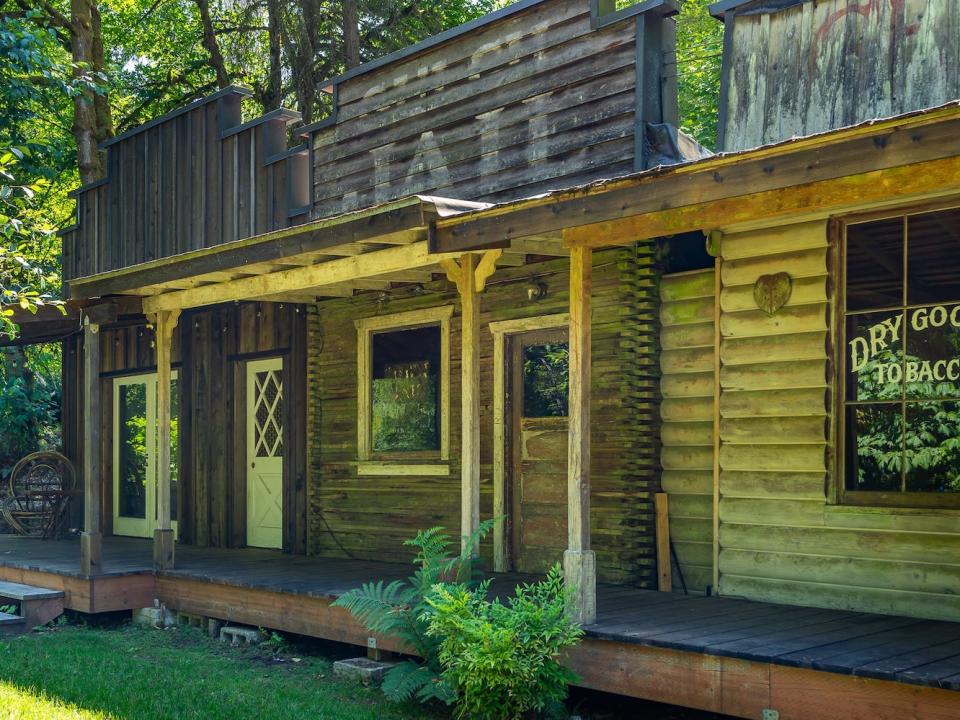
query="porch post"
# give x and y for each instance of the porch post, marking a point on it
(163, 544)
(470, 401)
(91, 539)
(579, 561)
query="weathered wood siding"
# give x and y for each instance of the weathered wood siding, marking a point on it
(369, 517)
(780, 538)
(687, 386)
(208, 353)
(194, 179)
(537, 100)
(819, 65)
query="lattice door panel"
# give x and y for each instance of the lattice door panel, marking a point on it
(268, 414)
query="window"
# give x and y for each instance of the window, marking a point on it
(545, 380)
(135, 434)
(403, 390)
(902, 360)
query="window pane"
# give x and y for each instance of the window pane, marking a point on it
(132, 501)
(406, 390)
(545, 380)
(875, 264)
(874, 356)
(933, 352)
(933, 447)
(874, 447)
(933, 260)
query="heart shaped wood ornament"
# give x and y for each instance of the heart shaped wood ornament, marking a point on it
(772, 292)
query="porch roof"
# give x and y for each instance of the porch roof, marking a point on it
(910, 157)
(333, 257)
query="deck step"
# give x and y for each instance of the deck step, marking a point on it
(12, 624)
(20, 593)
(9, 619)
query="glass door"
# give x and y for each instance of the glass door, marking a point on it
(135, 454)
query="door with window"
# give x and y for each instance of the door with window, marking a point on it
(135, 468)
(265, 453)
(538, 372)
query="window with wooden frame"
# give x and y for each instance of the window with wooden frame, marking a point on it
(900, 367)
(403, 392)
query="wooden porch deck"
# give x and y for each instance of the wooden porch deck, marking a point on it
(720, 654)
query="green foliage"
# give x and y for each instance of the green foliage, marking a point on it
(405, 411)
(546, 374)
(400, 609)
(699, 56)
(503, 660)
(29, 403)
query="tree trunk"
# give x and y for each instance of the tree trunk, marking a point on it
(92, 120)
(351, 33)
(212, 46)
(273, 94)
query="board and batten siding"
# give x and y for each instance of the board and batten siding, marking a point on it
(781, 538)
(369, 516)
(687, 387)
(815, 66)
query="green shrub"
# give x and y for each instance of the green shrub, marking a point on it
(503, 660)
(400, 610)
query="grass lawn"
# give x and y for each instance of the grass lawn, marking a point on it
(129, 673)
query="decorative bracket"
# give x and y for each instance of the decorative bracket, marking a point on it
(482, 271)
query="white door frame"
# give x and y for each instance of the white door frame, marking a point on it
(258, 536)
(138, 527)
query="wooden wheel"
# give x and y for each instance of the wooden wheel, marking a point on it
(40, 488)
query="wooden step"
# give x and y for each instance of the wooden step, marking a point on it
(12, 624)
(20, 593)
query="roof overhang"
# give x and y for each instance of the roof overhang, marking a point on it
(906, 158)
(368, 250)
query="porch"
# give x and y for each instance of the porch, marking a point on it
(715, 653)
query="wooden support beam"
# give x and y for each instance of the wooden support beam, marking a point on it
(348, 270)
(579, 561)
(664, 573)
(163, 540)
(91, 539)
(470, 400)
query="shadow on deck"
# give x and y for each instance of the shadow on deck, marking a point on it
(719, 654)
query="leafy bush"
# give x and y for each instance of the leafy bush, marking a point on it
(401, 609)
(502, 660)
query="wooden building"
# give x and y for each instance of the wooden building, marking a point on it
(402, 322)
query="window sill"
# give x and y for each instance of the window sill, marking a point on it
(378, 468)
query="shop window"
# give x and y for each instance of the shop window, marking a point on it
(403, 386)
(901, 363)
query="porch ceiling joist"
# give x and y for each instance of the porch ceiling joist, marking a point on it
(346, 271)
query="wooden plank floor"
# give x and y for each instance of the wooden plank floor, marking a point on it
(905, 650)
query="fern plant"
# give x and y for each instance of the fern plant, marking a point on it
(401, 609)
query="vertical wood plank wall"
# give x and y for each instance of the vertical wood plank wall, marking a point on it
(686, 361)
(369, 517)
(789, 72)
(209, 349)
(780, 538)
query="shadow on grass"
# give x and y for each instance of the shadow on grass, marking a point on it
(129, 673)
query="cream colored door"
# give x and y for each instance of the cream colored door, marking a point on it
(265, 453)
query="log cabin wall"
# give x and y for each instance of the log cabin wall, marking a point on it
(210, 347)
(547, 95)
(194, 178)
(781, 539)
(369, 517)
(687, 387)
(818, 65)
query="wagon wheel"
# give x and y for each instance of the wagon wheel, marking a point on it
(40, 489)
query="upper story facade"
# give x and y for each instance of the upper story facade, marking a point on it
(544, 94)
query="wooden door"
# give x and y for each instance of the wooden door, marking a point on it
(265, 453)
(538, 375)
